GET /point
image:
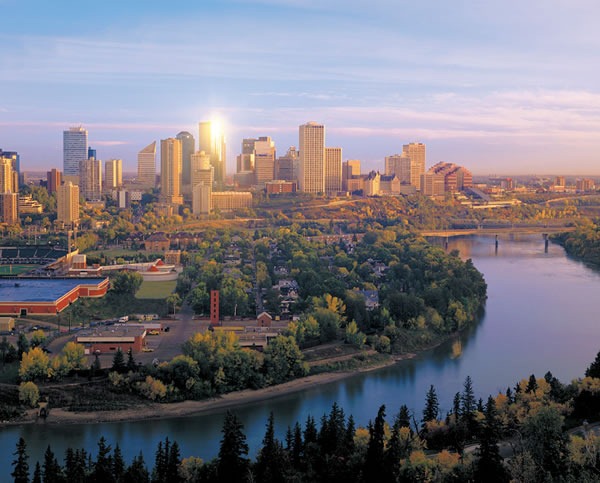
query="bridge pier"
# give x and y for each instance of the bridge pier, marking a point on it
(496, 243)
(545, 235)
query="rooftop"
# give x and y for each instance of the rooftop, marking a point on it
(40, 289)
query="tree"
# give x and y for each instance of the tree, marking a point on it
(270, 462)
(131, 366)
(173, 300)
(374, 462)
(137, 471)
(232, 463)
(284, 360)
(354, 336)
(432, 408)
(594, 369)
(37, 473)
(51, 470)
(546, 442)
(34, 365)
(38, 337)
(118, 363)
(489, 466)
(20, 471)
(102, 469)
(126, 283)
(118, 465)
(468, 405)
(22, 344)
(74, 355)
(29, 394)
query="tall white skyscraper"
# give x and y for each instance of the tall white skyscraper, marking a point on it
(333, 170)
(147, 166)
(312, 158)
(75, 150)
(113, 174)
(188, 147)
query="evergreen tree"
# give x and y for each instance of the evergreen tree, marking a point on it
(173, 463)
(118, 363)
(489, 466)
(131, 365)
(532, 384)
(75, 466)
(374, 463)
(102, 468)
(432, 407)
(51, 470)
(404, 417)
(349, 445)
(37, 474)
(160, 462)
(137, 471)
(270, 463)
(468, 406)
(20, 471)
(310, 430)
(509, 396)
(297, 446)
(118, 465)
(594, 369)
(232, 463)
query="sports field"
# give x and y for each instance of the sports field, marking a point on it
(156, 290)
(7, 270)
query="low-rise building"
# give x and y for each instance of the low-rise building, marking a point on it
(111, 341)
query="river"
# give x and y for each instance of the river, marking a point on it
(541, 315)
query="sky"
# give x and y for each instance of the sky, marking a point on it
(507, 87)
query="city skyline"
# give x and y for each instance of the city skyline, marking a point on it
(457, 78)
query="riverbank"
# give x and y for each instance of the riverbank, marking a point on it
(192, 408)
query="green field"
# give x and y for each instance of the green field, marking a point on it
(155, 290)
(7, 270)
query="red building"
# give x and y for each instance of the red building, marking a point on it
(124, 339)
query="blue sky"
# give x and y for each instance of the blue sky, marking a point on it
(505, 87)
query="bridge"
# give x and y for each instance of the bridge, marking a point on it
(498, 230)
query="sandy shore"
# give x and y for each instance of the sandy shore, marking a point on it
(190, 408)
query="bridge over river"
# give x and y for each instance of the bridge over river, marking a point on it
(498, 230)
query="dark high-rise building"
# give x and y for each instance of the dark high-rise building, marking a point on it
(188, 147)
(53, 177)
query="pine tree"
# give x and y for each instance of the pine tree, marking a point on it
(232, 463)
(160, 462)
(374, 463)
(489, 466)
(137, 471)
(468, 406)
(102, 468)
(37, 474)
(404, 416)
(270, 463)
(297, 446)
(118, 363)
(173, 463)
(51, 470)
(131, 365)
(118, 465)
(594, 369)
(20, 471)
(532, 384)
(432, 407)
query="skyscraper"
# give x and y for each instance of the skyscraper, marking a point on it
(8, 208)
(113, 174)
(90, 179)
(53, 178)
(333, 170)
(15, 159)
(75, 149)
(7, 176)
(170, 171)
(147, 166)
(67, 203)
(264, 160)
(312, 153)
(212, 141)
(188, 147)
(287, 167)
(416, 153)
